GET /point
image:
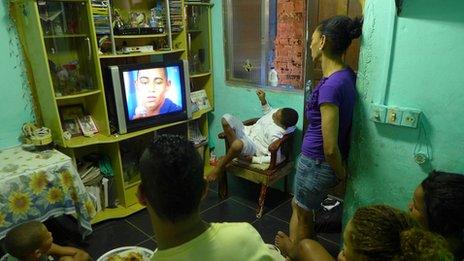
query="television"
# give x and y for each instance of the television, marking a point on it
(146, 95)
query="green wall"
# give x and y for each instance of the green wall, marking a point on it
(15, 104)
(427, 72)
(240, 101)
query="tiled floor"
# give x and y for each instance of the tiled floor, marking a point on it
(239, 207)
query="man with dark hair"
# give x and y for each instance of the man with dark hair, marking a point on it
(252, 142)
(172, 187)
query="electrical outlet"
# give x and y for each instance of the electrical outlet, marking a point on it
(394, 116)
(410, 118)
(378, 113)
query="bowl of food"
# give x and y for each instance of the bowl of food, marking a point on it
(127, 253)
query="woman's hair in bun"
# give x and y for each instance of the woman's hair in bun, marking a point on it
(355, 27)
(384, 233)
(340, 31)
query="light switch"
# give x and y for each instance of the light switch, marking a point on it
(410, 117)
(394, 116)
(378, 113)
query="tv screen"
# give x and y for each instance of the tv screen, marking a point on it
(145, 95)
(153, 91)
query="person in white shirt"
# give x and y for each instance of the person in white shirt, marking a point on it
(252, 142)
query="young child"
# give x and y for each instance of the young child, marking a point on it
(252, 142)
(32, 241)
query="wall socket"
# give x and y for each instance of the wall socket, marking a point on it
(399, 116)
(394, 116)
(378, 113)
(410, 118)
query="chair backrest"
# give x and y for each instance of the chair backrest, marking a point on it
(287, 147)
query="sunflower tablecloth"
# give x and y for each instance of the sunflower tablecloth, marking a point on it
(39, 185)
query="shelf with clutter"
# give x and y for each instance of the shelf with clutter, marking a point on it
(93, 62)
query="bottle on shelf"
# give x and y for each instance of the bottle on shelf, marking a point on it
(273, 77)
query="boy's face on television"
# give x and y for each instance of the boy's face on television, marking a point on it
(151, 87)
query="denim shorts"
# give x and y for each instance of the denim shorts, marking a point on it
(313, 179)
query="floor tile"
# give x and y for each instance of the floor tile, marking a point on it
(268, 227)
(213, 185)
(333, 237)
(248, 193)
(149, 243)
(210, 200)
(142, 221)
(114, 234)
(283, 212)
(229, 211)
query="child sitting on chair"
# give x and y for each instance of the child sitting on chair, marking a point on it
(252, 142)
(33, 241)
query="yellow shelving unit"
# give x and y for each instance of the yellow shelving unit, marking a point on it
(63, 46)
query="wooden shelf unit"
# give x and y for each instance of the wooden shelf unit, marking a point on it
(83, 47)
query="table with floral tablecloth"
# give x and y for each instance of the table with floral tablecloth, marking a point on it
(40, 185)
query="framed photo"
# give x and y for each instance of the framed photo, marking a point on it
(199, 100)
(69, 115)
(87, 125)
(72, 127)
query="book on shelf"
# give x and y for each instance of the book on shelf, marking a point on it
(199, 100)
(105, 192)
(176, 15)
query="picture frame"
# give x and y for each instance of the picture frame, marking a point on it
(69, 115)
(199, 100)
(87, 125)
(72, 126)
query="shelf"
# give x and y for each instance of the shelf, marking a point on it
(77, 95)
(198, 75)
(64, 36)
(110, 56)
(131, 183)
(198, 3)
(82, 141)
(194, 31)
(118, 212)
(196, 115)
(139, 36)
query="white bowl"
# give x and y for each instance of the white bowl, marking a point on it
(121, 251)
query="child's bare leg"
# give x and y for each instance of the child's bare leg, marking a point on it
(234, 151)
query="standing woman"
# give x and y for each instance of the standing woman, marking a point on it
(321, 164)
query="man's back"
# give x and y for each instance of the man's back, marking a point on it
(222, 241)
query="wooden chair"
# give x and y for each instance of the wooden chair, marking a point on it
(264, 174)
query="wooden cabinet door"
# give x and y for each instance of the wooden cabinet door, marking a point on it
(318, 10)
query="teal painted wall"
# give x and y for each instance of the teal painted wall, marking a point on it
(16, 102)
(240, 101)
(427, 65)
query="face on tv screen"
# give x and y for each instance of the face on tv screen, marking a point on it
(152, 91)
